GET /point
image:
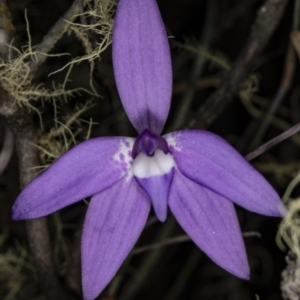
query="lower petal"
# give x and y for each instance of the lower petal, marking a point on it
(114, 221)
(154, 174)
(157, 188)
(210, 220)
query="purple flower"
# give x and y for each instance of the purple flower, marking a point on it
(195, 173)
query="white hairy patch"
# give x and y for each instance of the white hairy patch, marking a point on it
(171, 140)
(124, 154)
(146, 166)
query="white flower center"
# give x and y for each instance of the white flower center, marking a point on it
(145, 166)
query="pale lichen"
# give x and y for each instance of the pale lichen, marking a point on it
(96, 25)
(60, 138)
(16, 77)
(289, 229)
(16, 269)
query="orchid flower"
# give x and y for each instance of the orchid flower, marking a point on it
(195, 173)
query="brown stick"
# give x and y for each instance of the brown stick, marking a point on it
(266, 21)
(278, 139)
(57, 31)
(19, 120)
(38, 236)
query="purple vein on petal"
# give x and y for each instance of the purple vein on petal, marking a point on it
(209, 160)
(134, 61)
(211, 196)
(142, 63)
(141, 43)
(211, 222)
(83, 171)
(114, 221)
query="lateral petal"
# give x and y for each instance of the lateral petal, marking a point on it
(114, 221)
(210, 220)
(142, 63)
(209, 160)
(81, 172)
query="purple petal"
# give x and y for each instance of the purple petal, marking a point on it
(209, 160)
(210, 220)
(81, 172)
(114, 221)
(157, 188)
(154, 174)
(142, 64)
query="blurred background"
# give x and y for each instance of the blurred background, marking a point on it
(80, 101)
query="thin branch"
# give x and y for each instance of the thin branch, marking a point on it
(198, 66)
(266, 21)
(56, 32)
(284, 86)
(166, 242)
(147, 263)
(278, 139)
(295, 38)
(6, 150)
(38, 236)
(73, 276)
(19, 120)
(177, 240)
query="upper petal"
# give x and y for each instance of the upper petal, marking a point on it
(81, 172)
(142, 63)
(209, 160)
(210, 220)
(114, 221)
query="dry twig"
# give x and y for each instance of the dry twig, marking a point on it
(266, 21)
